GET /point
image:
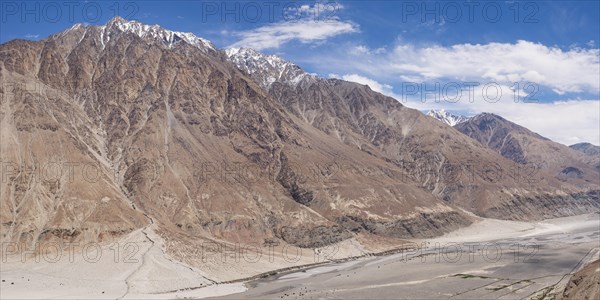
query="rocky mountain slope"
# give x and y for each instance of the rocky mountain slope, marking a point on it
(444, 162)
(585, 283)
(592, 151)
(586, 148)
(186, 139)
(528, 148)
(110, 129)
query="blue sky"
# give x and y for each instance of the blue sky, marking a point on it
(542, 50)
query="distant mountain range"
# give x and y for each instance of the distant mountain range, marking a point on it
(523, 146)
(586, 148)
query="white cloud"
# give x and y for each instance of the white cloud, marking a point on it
(573, 70)
(308, 24)
(305, 31)
(591, 43)
(385, 89)
(320, 10)
(362, 49)
(32, 36)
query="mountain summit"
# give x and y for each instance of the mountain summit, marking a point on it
(586, 148)
(265, 69)
(151, 33)
(447, 117)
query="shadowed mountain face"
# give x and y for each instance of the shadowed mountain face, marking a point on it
(586, 148)
(526, 147)
(498, 134)
(592, 151)
(141, 126)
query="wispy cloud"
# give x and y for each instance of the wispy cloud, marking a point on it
(305, 31)
(319, 10)
(362, 49)
(574, 70)
(385, 89)
(32, 36)
(312, 24)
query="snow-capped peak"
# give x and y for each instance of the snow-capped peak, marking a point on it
(447, 117)
(265, 69)
(155, 32)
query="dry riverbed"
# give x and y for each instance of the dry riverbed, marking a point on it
(490, 259)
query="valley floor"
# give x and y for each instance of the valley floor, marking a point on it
(490, 259)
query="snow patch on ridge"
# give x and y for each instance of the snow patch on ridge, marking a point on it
(447, 117)
(168, 37)
(266, 69)
(154, 33)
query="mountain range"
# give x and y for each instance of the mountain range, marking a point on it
(147, 129)
(525, 147)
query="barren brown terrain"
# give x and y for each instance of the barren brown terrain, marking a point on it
(109, 134)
